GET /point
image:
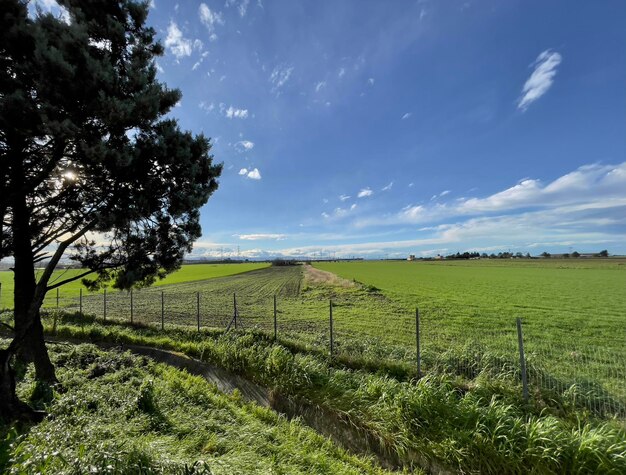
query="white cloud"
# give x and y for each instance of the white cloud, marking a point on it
(541, 78)
(261, 236)
(341, 72)
(388, 187)
(371, 81)
(209, 18)
(590, 187)
(365, 192)
(344, 197)
(406, 115)
(232, 112)
(206, 107)
(253, 174)
(179, 46)
(279, 77)
(243, 7)
(320, 85)
(440, 195)
(244, 145)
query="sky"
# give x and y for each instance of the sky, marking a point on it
(379, 129)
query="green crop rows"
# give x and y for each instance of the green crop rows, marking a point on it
(187, 273)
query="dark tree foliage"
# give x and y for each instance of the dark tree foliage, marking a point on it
(90, 167)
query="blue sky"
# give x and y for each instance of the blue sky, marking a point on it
(378, 128)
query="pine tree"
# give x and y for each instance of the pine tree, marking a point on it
(90, 167)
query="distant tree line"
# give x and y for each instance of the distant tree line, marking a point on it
(519, 255)
(284, 262)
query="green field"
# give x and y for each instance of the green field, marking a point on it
(187, 273)
(556, 299)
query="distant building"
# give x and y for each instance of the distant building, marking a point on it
(411, 257)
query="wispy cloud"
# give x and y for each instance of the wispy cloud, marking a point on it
(590, 187)
(340, 212)
(178, 45)
(206, 107)
(440, 195)
(365, 192)
(371, 81)
(406, 115)
(341, 73)
(209, 18)
(388, 187)
(244, 145)
(320, 85)
(233, 112)
(242, 5)
(279, 77)
(344, 197)
(253, 174)
(541, 78)
(261, 236)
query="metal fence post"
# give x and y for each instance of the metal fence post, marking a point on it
(330, 308)
(275, 325)
(417, 343)
(162, 310)
(198, 309)
(105, 304)
(522, 359)
(131, 306)
(80, 301)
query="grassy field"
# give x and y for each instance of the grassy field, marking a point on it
(187, 273)
(557, 299)
(482, 427)
(468, 312)
(124, 414)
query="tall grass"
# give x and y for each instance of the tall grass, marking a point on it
(124, 414)
(466, 424)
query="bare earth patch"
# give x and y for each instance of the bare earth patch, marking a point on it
(317, 276)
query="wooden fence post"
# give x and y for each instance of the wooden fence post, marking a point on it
(330, 308)
(105, 305)
(275, 325)
(162, 310)
(80, 301)
(522, 359)
(235, 309)
(57, 298)
(131, 306)
(198, 309)
(417, 343)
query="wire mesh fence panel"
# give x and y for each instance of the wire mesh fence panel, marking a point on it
(370, 329)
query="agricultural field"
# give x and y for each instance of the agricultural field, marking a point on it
(467, 317)
(187, 273)
(582, 300)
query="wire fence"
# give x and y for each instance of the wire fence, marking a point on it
(562, 375)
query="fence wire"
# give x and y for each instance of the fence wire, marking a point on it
(559, 374)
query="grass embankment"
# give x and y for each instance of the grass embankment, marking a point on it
(125, 414)
(187, 273)
(478, 425)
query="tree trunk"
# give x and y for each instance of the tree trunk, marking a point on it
(29, 340)
(11, 408)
